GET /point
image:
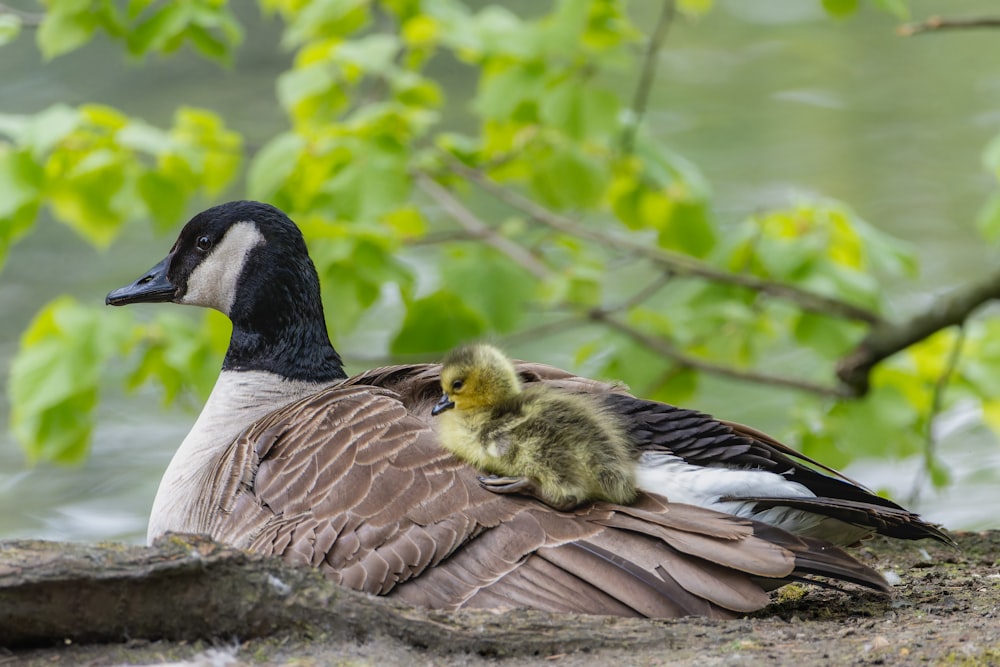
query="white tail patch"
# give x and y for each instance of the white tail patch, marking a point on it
(213, 282)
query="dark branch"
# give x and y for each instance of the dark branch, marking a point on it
(935, 23)
(887, 339)
(641, 98)
(674, 262)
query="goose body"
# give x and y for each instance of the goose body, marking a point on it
(560, 447)
(292, 458)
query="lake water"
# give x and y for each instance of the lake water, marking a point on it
(771, 99)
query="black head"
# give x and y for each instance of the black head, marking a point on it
(249, 261)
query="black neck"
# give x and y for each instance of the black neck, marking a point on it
(278, 324)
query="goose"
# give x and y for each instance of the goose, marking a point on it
(290, 457)
(559, 447)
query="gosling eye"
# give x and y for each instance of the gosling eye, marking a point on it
(203, 243)
(457, 385)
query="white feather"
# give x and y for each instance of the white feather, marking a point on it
(682, 482)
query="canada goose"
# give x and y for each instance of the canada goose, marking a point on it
(559, 447)
(288, 457)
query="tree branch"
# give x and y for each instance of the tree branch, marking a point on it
(641, 98)
(935, 23)
(479, 229)
(887, 339)
(668, 350)
(187, 587)
(674, 262)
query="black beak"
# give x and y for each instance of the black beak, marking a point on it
(444, 404)
(153, 287)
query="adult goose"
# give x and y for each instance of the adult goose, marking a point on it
(290, 457)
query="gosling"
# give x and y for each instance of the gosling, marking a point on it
(562, 448)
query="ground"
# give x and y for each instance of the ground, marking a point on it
(945, 610)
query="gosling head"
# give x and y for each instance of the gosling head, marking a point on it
(476, 376)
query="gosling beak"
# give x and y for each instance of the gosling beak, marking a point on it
(444, 404)
(153, 287)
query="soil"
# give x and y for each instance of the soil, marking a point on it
(945, 610)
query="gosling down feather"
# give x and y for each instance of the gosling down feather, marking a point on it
(560, 447)
(292, 458)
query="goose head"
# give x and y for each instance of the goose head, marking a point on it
(248, 260)
(475, 377)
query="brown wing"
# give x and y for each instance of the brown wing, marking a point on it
(349, 481)
(699, 439)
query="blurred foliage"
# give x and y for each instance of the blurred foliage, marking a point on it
(539, 205)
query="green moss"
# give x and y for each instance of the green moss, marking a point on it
(987, 658)
(790, 593)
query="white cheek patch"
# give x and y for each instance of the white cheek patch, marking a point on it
(213, 282)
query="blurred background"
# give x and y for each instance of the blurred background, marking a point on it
(773, 100)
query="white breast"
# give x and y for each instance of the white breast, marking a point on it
(238, 399)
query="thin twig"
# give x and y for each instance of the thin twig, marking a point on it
(647, 74)
(642, 295)
(935, 23)
(675, 262)
(547, 329)
(663, 347)
(479, 229)
(937, 403)
(436, 238)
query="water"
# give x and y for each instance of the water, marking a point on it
(771, 99)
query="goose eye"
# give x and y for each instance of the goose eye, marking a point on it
(203, 243)
(457, 385)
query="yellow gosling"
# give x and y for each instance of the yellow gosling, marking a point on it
(563, 448)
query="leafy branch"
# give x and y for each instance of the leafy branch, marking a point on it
(676, 263)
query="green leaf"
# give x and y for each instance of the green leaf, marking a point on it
(180, 354)
(828, 335)
(897, 8)
(165, 199)
(21, 180)
(55, 376)
(501, 289)
(437, 323)
(988, 220)
(155, 32)
(66, 27)
(840, 8)
(502, 90)
(581, 111)
(688, 229)
(569, 179)
(20, 187)
(326, 18)
(273, 165)
(374, 183)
